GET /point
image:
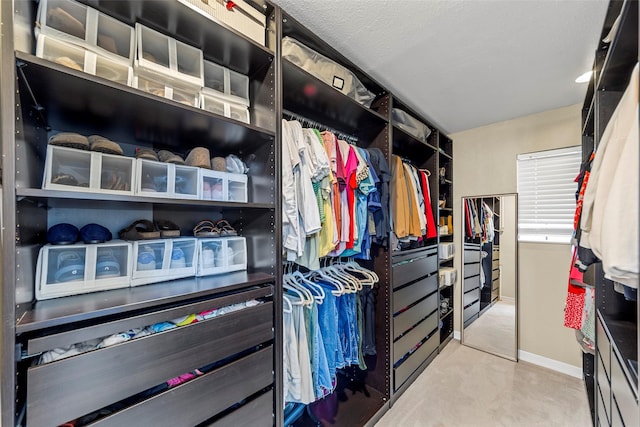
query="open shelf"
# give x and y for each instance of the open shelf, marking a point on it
(624, 340)
(310, 97)
(96, 104)
(405, 139)
(44, 195)
(62, 311)
(623, 51)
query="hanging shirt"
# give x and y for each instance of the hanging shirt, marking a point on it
(428, 209)
(290, 217)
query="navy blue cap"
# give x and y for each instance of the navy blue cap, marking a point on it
(95, 233)
(62, 234)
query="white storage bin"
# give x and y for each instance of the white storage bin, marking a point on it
(158, 179)
(215, 77)
(64, 270)
(226, 84)
(116, 71)
(86, 27)
(447, 250)
(163, 259)
(448, 276)
(158, 53)
(238, 87)
(68, 169)
(165, 87)
(63, 18)
(252, 27)
(60, 52)
(220, 105)
(223, 186)
(221, 255)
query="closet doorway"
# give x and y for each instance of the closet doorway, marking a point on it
(489, 291)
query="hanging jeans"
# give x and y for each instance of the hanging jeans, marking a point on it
(328, 322)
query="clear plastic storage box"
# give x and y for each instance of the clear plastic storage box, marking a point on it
(167, 180)
(223, 186)
(166, 87)
(226, 84)
(163, 259)
(448, 276)
(447, 250)
(221, 255)
(69, 169)
(220, 105)
(64, 270)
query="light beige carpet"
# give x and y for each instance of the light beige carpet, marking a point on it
(495, 330)
(464, 387)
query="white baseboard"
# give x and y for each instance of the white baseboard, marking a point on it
(552, 364)
(456, 335)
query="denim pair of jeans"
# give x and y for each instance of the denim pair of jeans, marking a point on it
(328, 321)
(348, 332)
(322, 381)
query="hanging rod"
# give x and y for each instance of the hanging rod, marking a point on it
(306, 122)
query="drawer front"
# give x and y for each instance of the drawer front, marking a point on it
(604, 347)
(413, 362)
(414, 268)
(471, 283)
(495, 264)
(410, 317)
(616, 418)
(472, 310)
(417, 334)
(471, 269)
(495, 294)
(605, 387)
(623, 394)
(257, 413)
(602, 408)
(215, 392)
(126, 369)
(412, 293)
(471, 297)
(471, 256)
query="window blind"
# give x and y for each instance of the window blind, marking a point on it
(546, 194)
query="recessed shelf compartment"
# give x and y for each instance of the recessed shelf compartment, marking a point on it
(98, 103)
(623, 51)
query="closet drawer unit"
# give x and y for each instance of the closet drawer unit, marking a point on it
(470, 297)
(616, 418)
(412, 293)
(126, 367)
(411, 269)
(471, 311)
(472, 255)
(603, 345)
(215, 392)
(257, 413)
(410, 317)
(495, 293)
(601, 408)
(623, 394)
(495, 264)
(603, 385)
(471, 283)
(413, 337)
(471, 269)
(408, 367)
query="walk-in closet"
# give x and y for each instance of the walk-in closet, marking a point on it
(231, 213)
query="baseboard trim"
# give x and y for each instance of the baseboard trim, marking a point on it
(456, 335)
(554, 365)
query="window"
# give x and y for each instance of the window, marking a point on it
(546, 195)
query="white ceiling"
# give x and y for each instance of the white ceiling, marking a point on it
(464, 63)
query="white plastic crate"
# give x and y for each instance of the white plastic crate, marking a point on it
(221, 255)
(167, 180)
(69, 169)
(64, 270)
(252, 27)
(163, 259)
(220, 105)
(448, 276)
(161, 54)
(163, 86)
(447, 250)
(222, 186)
(80, 59)
(84, 26)
(226, 84)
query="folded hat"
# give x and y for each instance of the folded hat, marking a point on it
(95, 233)
(71, 140)
(104, 145)
(169, 157)
(62, 234)
(219, 164)
(235, 165)
(199, 157)
(146, 153)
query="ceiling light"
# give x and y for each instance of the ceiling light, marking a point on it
(585, 77)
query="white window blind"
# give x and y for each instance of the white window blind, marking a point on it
(546, 194)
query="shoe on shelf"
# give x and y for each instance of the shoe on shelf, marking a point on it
(146, 259)
(70, 266)
(208, 257)
(107, 265)
(178, 259)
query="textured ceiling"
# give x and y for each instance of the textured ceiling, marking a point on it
(464, 63)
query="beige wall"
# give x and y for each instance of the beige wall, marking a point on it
(485, 163)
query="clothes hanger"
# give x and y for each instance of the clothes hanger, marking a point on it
(287, 306)
(313, 287)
